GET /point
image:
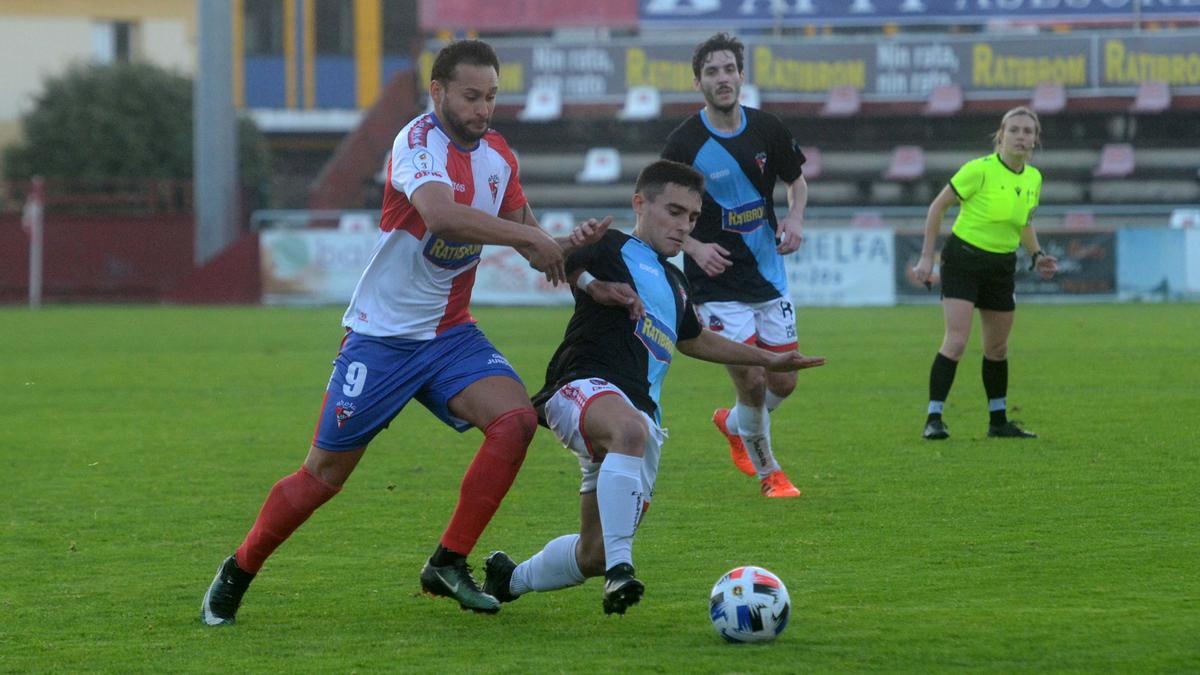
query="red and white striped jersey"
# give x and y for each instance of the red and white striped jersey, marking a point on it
(416, 284)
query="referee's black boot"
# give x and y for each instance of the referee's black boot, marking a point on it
(1009, 430)
(936, 430)
(621, 590)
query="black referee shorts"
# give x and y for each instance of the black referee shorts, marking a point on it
(980, 277)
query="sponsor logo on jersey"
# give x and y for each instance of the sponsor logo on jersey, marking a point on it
(598, 382)
(494, 185)
(657, 336)
(648, 269)
(343, 411)
(421, 174)
(423, 161)
(451, 255)
(745, 218)
(498, 360)
(761, 160)
(459, 187)
(719, 174)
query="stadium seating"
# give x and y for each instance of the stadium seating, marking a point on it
(1152, 97)
(641, 103)
(1049, 97)
(867, 219)
(944, 100)
(813, 165)
(842, 102)
(542, 104)
(600, 165)
(750, 96)
(907, 164)
(1116, 161)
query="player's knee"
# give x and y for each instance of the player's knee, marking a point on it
(515, 429)
(953, 348)
(996, 352)
(628, 437)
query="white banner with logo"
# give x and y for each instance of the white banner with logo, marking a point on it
(848, 266)
(312, 267)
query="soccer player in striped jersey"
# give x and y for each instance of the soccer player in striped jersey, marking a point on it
(603, 386)
(452, 187)
(735, 257)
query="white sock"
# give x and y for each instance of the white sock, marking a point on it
(619, 494)
(731, 422)
(754, 426)
(552, 568)
(773, 401)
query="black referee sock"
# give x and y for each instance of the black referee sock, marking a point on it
(995, 384)
(443, 556)
(941, 377)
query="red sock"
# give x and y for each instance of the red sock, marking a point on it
(291, 501)
(488, 478)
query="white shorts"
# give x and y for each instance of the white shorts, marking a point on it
(770, 325)
(565, 412)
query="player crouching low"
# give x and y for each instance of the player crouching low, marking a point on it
(601, 397)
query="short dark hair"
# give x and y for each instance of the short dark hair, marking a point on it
(654, 178)
(470, 52)
(721, 42)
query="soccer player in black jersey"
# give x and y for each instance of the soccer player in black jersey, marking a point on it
(601, 397)
(735, 256)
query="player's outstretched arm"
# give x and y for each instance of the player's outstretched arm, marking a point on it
(709, 346)
(610, 294)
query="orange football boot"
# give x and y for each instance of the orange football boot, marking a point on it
(778, 485)
(737, 449)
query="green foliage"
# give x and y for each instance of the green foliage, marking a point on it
(122, 121)
(140, 442)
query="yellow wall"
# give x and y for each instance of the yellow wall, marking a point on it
(41, 38)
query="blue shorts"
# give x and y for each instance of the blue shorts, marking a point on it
(375, 377)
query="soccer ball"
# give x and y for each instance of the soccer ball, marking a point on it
(749, 604)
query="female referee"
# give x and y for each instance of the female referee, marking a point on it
(999, 194)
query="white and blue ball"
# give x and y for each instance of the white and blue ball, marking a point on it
(749, 604)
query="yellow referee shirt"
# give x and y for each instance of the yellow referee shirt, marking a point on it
(996, 203)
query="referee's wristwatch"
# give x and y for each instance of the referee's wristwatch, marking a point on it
(1034, 258)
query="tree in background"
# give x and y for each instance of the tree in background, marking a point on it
(123, 121)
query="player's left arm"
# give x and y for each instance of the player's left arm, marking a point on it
(587, 232)
(791, 227)
(708, 346)
(1045, 264)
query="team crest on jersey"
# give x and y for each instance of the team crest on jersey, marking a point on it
(343, 411)
(1018, 189)
(451, 255)
(494, 185)
(761, 160)
(746, 218)
(657, 336)
(715, 324)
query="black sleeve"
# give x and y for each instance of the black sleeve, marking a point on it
(678, 148)
(787, 155)
(581, 259)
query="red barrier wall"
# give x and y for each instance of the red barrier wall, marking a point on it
(98, 258)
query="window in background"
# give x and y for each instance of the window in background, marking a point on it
(335, 27)
(264, 27)
(112, 41)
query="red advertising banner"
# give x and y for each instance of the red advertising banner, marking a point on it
(509, 15)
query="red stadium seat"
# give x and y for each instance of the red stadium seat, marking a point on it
(842, 102)
(812, 162)
(1116, 161)
(1152, 97)
(1049, 97)
(944, 100)
(867, 219)
(908, 163)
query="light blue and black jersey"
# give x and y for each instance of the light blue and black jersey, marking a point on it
(740, 170)
(602, 342)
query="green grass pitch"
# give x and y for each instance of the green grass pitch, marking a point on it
(138, 443)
